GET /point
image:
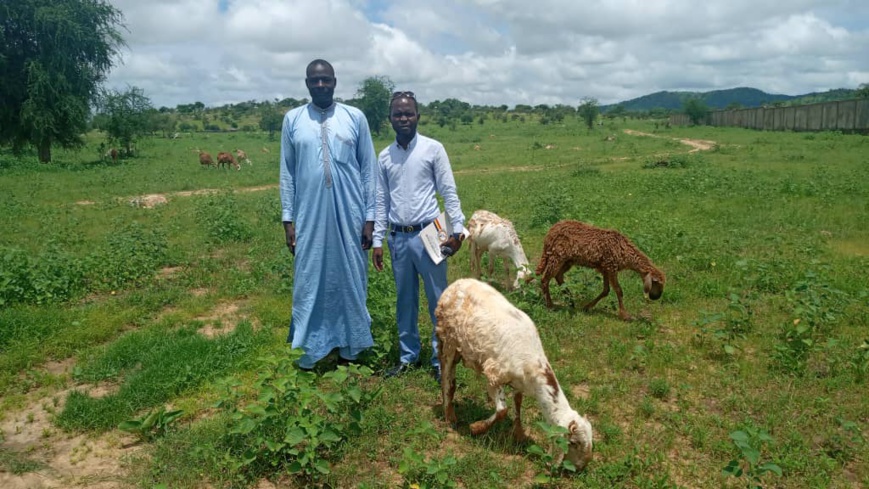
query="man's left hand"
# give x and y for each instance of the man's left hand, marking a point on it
(367, 235)
(454, 243)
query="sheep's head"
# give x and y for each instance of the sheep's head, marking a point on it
(523, 274)
(653, 284)
(579, 441)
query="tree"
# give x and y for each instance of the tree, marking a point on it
(372, 99)
(54, 54)
(128, 116)
(618, 111)
(863, 90)
(696, 110)
(588, 110)
(271, 120)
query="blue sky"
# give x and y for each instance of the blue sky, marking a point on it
(491, 51)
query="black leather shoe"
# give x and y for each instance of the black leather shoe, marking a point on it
(400, 369)
(345, 362)
(436, 373)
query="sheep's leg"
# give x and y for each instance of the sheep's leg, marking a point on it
(448, 361)
(606, 291)
(518, 432)
(508, 284)
(623, 313)
(475, 259)
(496, 392)
(550, 270)
(491, 269)
(544, 286)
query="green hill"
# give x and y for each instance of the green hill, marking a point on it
(721, 99)
(716, 99)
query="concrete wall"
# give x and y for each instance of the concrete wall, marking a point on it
(842, 115)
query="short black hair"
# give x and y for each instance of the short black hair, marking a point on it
(317, 62)
(406, 94)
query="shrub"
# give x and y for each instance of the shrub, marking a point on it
(219, 214)
(294, 424)
(130, 255)
(51, 276)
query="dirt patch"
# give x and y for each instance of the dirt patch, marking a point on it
(66, 460)
(168, 272)
(581, 391)
(221, 320)
(511, 169)
(696, 144)
(148, 201)
(850, 247)
(59, 367)
(152, 200)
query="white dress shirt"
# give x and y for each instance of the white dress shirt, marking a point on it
(407, 183)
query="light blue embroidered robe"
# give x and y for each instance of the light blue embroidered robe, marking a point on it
(327, 184)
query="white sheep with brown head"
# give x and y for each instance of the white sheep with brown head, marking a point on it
(481, 328)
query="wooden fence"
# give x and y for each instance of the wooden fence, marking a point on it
(842, 115)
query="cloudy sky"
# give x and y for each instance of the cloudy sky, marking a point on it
(491, 52)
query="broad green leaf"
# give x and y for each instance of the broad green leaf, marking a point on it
(273, 445)
(770, 467)
(536, 450)
(130, 426)
(294, 436)
(255, 409)
(542, 479)
(752, 455)
(739, 436)
(244, 427)
(321, 466)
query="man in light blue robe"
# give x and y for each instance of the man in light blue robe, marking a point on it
(327, 184)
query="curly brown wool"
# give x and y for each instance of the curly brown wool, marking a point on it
(569, 243)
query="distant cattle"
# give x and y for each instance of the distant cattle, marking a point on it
(205, 158)
(242, 157)
(225, 159)
(112, 154)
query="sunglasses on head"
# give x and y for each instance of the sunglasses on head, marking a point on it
(409, 95)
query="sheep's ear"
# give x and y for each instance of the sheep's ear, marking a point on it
(573, 427)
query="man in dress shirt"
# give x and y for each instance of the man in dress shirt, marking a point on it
(411, 171)
(327, 179)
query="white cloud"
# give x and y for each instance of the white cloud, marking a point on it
(491, 51)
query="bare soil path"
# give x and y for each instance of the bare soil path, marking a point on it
(697, 144)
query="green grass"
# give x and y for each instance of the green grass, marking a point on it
(763, 239)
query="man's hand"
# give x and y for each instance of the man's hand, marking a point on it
(453, 243)
(290, 231)
(367, 235)
(377, 259)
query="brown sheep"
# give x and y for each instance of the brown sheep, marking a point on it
(112, 154)
(570, 243)
(225, 159)
(205, 158)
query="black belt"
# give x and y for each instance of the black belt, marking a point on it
(407, 229)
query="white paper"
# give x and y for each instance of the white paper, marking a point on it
(434, 234)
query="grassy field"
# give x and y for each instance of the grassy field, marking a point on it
(170, 321)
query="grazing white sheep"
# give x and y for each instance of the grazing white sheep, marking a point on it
(479, 326)
(489, 232)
